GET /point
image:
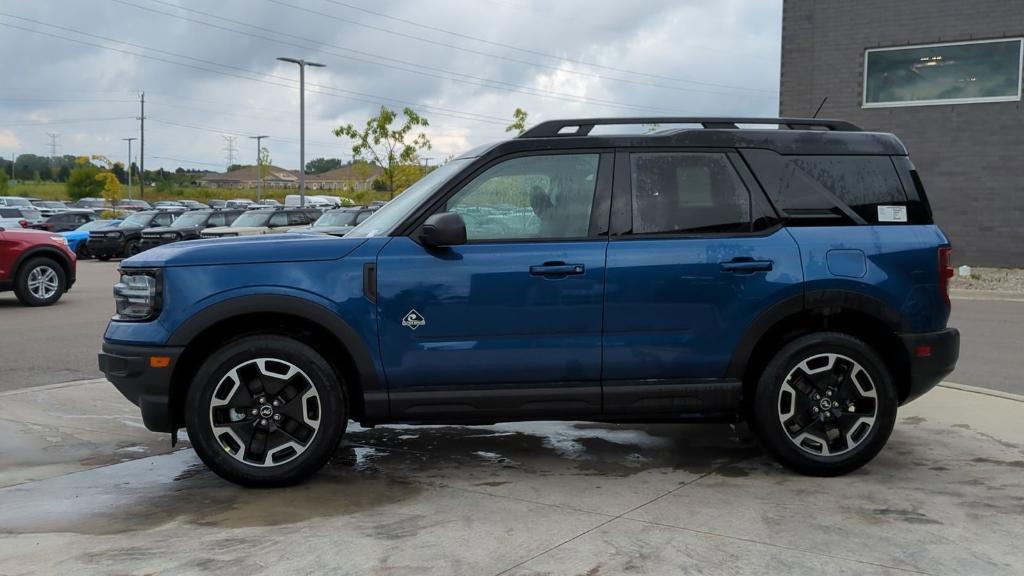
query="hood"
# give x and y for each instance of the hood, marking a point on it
(161, 229)
(245, 250)
(106, 229)
(238, 230)
(328, 229)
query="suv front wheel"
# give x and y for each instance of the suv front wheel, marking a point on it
(40, 282)
(825, 404)
(265, 411)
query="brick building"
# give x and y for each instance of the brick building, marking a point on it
(945, 76)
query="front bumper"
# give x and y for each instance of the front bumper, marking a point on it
(103, 247)
(933, 356)
(129, 369)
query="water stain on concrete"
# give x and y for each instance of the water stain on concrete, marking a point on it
(1010, 463)
(908, 516)
(913, 420)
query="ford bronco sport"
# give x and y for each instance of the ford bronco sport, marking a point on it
(791, 277)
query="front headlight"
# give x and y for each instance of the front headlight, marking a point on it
(137, 295)
(59, 240)
(170, 236)
(113, 234)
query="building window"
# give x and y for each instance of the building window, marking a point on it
(952, 73)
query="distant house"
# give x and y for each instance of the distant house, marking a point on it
(358, 177)
(247, 177)
(355, 177)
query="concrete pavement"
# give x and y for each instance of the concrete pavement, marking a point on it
(945, 497)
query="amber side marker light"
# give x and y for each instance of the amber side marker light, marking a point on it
(159, 361)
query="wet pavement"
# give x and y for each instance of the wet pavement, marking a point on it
(88, 491)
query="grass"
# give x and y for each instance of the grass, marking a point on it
(57, 191)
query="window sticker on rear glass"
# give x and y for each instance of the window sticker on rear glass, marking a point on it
(892, 213)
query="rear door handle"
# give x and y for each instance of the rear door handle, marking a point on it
(746, 266)
(557, 269)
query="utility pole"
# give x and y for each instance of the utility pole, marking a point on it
(229, 149)
(129, 141)
(142, 146)
(53, 149)
(302, 122)
(259, 167)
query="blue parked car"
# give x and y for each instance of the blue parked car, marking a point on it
(790, 277)
(77, 238)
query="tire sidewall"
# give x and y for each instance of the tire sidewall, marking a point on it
(766, 418)
(131, 248)
(333, 410)
(25, 295)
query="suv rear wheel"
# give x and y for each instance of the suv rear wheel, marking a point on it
(40, 282)
(265, 411)
(825, 404)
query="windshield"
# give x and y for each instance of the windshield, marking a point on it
(190, 219)
(135, 220)
(336, 219)
(18, 202)
(252, 219)
(51, 204)
(91, 203)
(95, 224)
(391, 214)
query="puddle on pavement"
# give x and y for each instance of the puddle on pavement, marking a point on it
(373, 468)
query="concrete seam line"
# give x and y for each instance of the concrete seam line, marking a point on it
(983, 391)
(987, 298)
(773, 545)
(614, 518)
(57, 386)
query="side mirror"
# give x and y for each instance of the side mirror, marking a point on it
(443, 229)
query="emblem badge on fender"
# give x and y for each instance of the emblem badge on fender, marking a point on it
(413, 320)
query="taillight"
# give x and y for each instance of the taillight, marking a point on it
(945, 272)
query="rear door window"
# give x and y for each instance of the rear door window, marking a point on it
(687, 193)
(278, 219)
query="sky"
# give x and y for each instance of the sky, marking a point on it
(211, 79)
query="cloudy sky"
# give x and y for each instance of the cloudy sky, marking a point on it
(208, 69)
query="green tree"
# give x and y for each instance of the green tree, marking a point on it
(518, 124)
(82, 181)
(321, 165)
(388, 147)
(110, 185)
(3, 181)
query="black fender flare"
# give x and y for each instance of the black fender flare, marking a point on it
(48, 252)
(815, 300)
(374, 391)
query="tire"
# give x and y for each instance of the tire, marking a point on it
(298, 421)
(825, 405)
(131, 248)
(40, 282)
(103, 258)
(82, 251)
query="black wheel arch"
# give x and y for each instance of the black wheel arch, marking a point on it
(46, 252)
(291, 316)
(854, 313)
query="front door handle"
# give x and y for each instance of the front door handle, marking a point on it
(557, 269)
(746, 266)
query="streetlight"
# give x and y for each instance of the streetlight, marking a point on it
(129, 141)
(302, 122)
(259, 167)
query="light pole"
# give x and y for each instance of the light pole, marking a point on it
(259, 167)
(302, 122)
(129, 141)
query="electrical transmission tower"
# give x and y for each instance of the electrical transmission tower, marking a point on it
(53, 143)
(230, 149)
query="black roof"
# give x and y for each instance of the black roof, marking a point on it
(789, 136)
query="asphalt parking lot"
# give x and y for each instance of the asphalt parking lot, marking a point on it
(85, 489)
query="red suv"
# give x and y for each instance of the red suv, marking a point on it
(37, 265)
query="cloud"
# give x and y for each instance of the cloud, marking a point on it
(207, 73)
(9, 140)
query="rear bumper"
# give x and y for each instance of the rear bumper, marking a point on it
(128, 368)
(932, 356)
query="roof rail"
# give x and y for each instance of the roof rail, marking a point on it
(554, 128)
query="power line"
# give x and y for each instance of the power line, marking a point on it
(325, 90)
(63, 121)
(180, 161)
(407, 67)
(516, 60)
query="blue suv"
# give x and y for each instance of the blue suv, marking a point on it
(790, 277)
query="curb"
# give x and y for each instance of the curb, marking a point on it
(982, 391)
